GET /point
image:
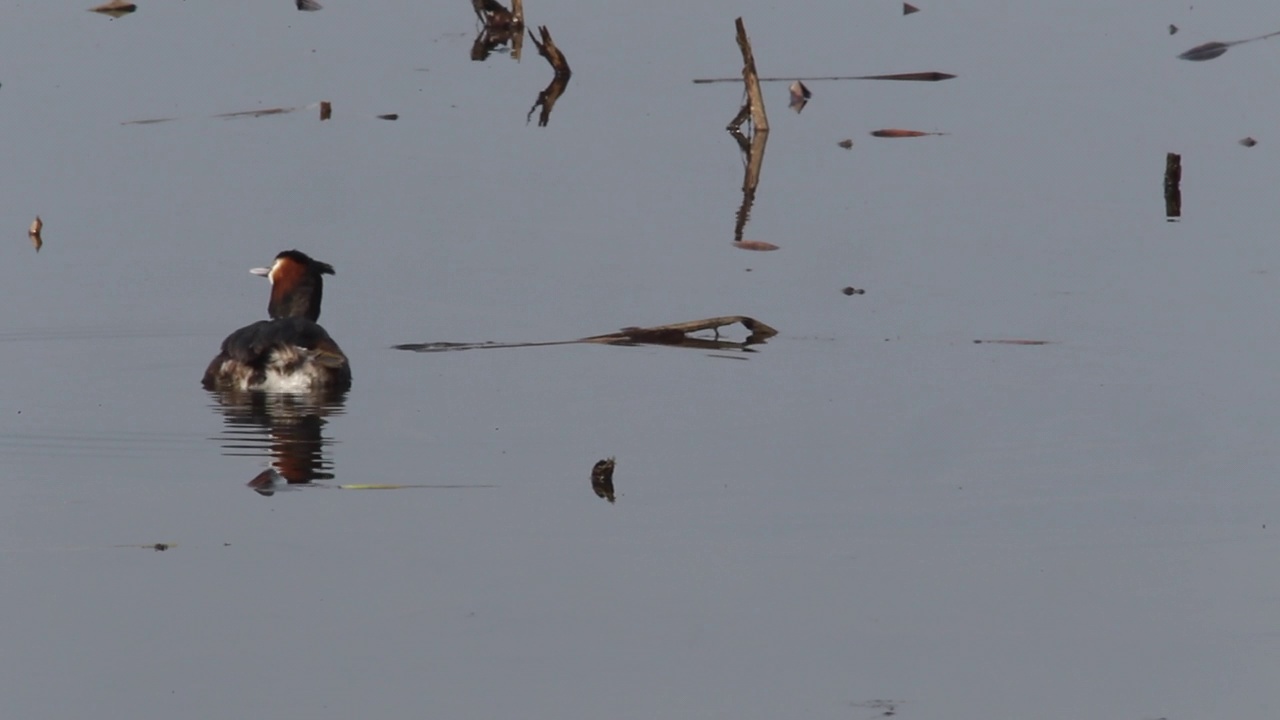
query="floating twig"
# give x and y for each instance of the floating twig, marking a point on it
(915, 76)
(676, 334)
(548, 97)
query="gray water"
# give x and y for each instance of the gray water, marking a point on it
(869, 511)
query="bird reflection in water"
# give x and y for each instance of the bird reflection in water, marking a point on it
(286, 427)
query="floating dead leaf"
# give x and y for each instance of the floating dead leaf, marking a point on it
(908, 8)
(326, 110)
(257, 113)
(757, 245)
(799, 96)
(846, 143)
(1248, 142)
(853, 291)
(115, 8)
(1211, 50)
(1207, 51)
(33, 233)
(1173, 29)
(149, 121)
(308, 5)
(1012, 342)
(896, 133)
(602, 479)
(389, 116)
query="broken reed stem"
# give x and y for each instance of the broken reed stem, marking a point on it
(750, 78)
(547, 49)
(517, 12)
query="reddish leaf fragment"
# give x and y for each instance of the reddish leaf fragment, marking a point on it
(326, 110)
(908, 8)
(115, 8)
(758, 245)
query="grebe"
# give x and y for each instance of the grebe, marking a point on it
(290, 352)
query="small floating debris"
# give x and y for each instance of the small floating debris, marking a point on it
(846, 143)
(1248, 142)
(908, 8)
(853, 291)
(799, 96)
(913, 76)
(602, 479)
(1211, 50)
(1012, 342)
(1207, 51)
(326, 110)
(149, 121)
(115, 8)
(1173, 29)
(1172, 186)
(675, 334)
(308, 5)
(33, 233)
(757, 245)
(158, 547)
(896, 133)
(257, 113)
(389, 116)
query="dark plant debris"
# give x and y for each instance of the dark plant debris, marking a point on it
(1248, 142)
(1173, 29)
(602, 479)
(757, 245)
(1172, 186)
(896, 133)
(1012, 342)
(308, 5)
(908, 9)
(846, 143)
(1211, 50)
(675, 334)
(115, 8)
(33, 233)
(912, 76)
(853, 291)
